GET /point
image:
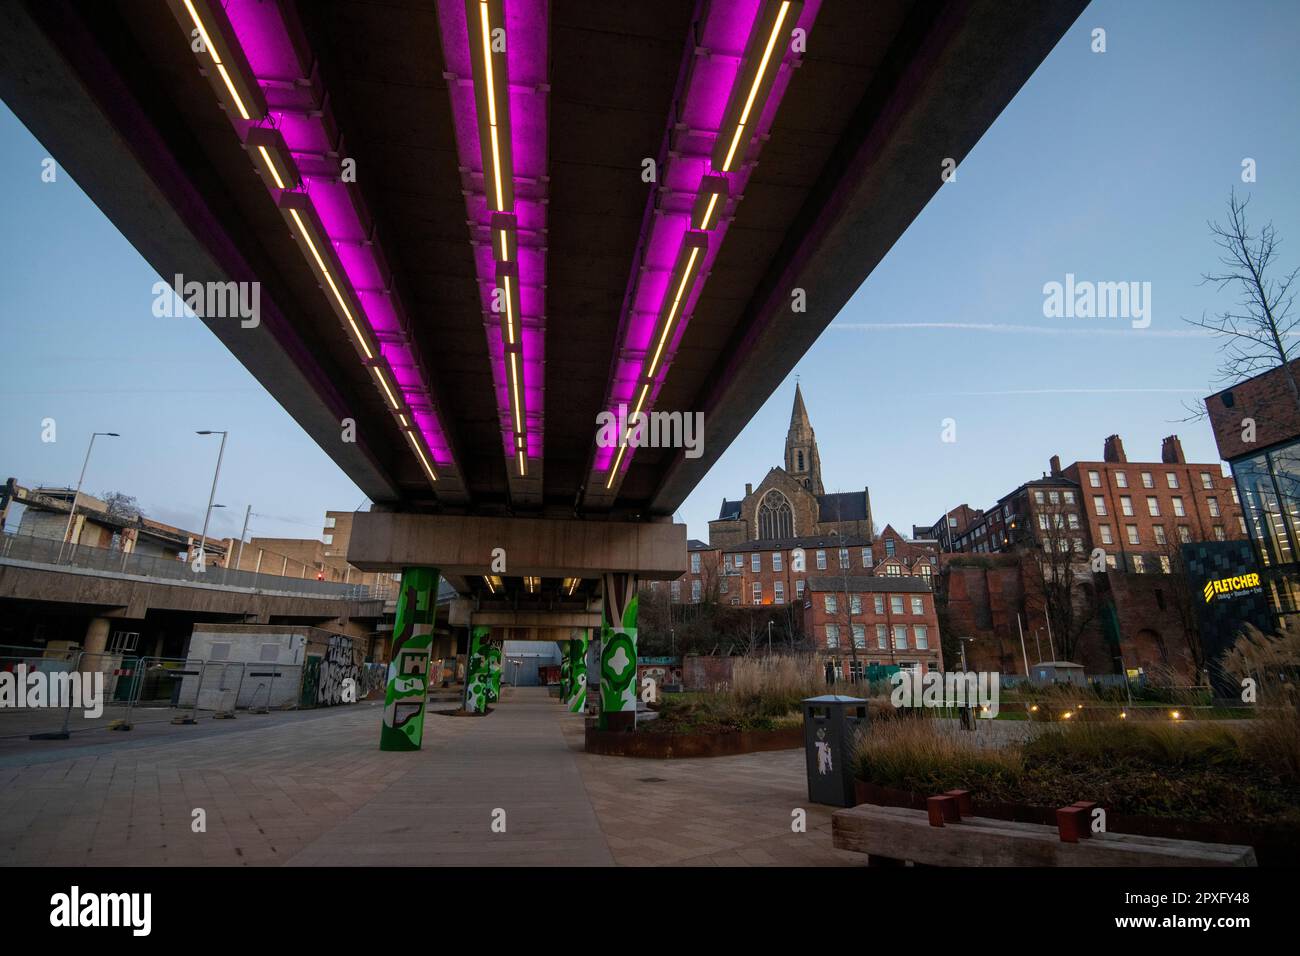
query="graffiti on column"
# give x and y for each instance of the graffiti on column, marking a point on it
(576, 658)
(477, 675)
(408, 668)
(618, 645)
(494, 673)
(374, 678)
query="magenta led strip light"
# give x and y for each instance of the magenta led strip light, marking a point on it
(690, 184)
(496, 57)
(294, 113)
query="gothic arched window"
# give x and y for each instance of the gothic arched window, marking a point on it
(799, 460)
(775, 517)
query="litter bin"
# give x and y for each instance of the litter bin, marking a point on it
(830, 723)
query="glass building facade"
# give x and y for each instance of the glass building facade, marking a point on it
(1269, 487)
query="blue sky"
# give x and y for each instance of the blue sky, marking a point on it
(1105, 165)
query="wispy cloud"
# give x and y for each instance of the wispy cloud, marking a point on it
(1007, 329)
(1080, 391)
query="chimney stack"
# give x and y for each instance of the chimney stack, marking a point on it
(749, 489)
(1056, 466)
(1114, 450)
(1171, 451)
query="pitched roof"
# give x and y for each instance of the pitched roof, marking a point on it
(730, 510)
(798, 414)
(859, 583)
(810, 541)
(842, 506)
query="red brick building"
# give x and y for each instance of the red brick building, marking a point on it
(857, 620)
(757, 573)
(1134, 617)
(1138, 513)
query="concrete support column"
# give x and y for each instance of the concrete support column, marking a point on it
(408, 668)
(477, 671)
(494, 671)
(575, 656)
(96, 639)
(564, 671)
(618, 652)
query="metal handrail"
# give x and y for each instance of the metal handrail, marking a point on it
(45, 551)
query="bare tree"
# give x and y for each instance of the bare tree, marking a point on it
(1052, 538)
(120, 505)
(1258, 332)
(1183, 600)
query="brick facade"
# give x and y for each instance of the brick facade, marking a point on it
(863, 620)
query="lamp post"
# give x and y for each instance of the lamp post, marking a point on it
(239, 555)
(769, 637)
(203, 538)
(963, 641)
(72, 511)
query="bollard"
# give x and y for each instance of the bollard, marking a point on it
(964, 803)
(942, 810)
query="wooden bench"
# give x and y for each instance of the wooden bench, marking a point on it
(892, 834)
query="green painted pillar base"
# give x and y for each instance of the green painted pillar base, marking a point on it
(618, 653)
(477, 675)
(408, 667)
(494, 672)
(576, 659)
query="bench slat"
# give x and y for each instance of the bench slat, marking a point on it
(905, 834)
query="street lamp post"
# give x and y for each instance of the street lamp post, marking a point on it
(963, 641)
(203, 538)
(248, 512)
(769, 637)
(72, 511)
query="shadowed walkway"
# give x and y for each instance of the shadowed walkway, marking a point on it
(314, 789)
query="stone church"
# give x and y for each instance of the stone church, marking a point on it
(790, 503)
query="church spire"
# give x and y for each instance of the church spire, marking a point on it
(799, 414)
(802, 462)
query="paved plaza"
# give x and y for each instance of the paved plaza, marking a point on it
(312, 788)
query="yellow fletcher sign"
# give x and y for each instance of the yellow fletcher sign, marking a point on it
(1229, 586)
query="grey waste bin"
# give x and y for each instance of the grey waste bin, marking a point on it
(830, 724)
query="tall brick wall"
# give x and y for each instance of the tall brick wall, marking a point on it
(982, 602)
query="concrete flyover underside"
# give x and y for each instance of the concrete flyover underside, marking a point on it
(882, 95)
(468, 546)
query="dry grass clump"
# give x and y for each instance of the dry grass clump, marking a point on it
(1272, 661)
(1201, 771)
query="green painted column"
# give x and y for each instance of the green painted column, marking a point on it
(408, 667)
(494, 672)
(618, 653)
(576, 659)
(565, 671)
(477, 676)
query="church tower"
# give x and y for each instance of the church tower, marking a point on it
(802, 462)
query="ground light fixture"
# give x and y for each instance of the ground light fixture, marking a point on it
(758, 69)
(230, 75)
(487, 47)
(681, 281)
